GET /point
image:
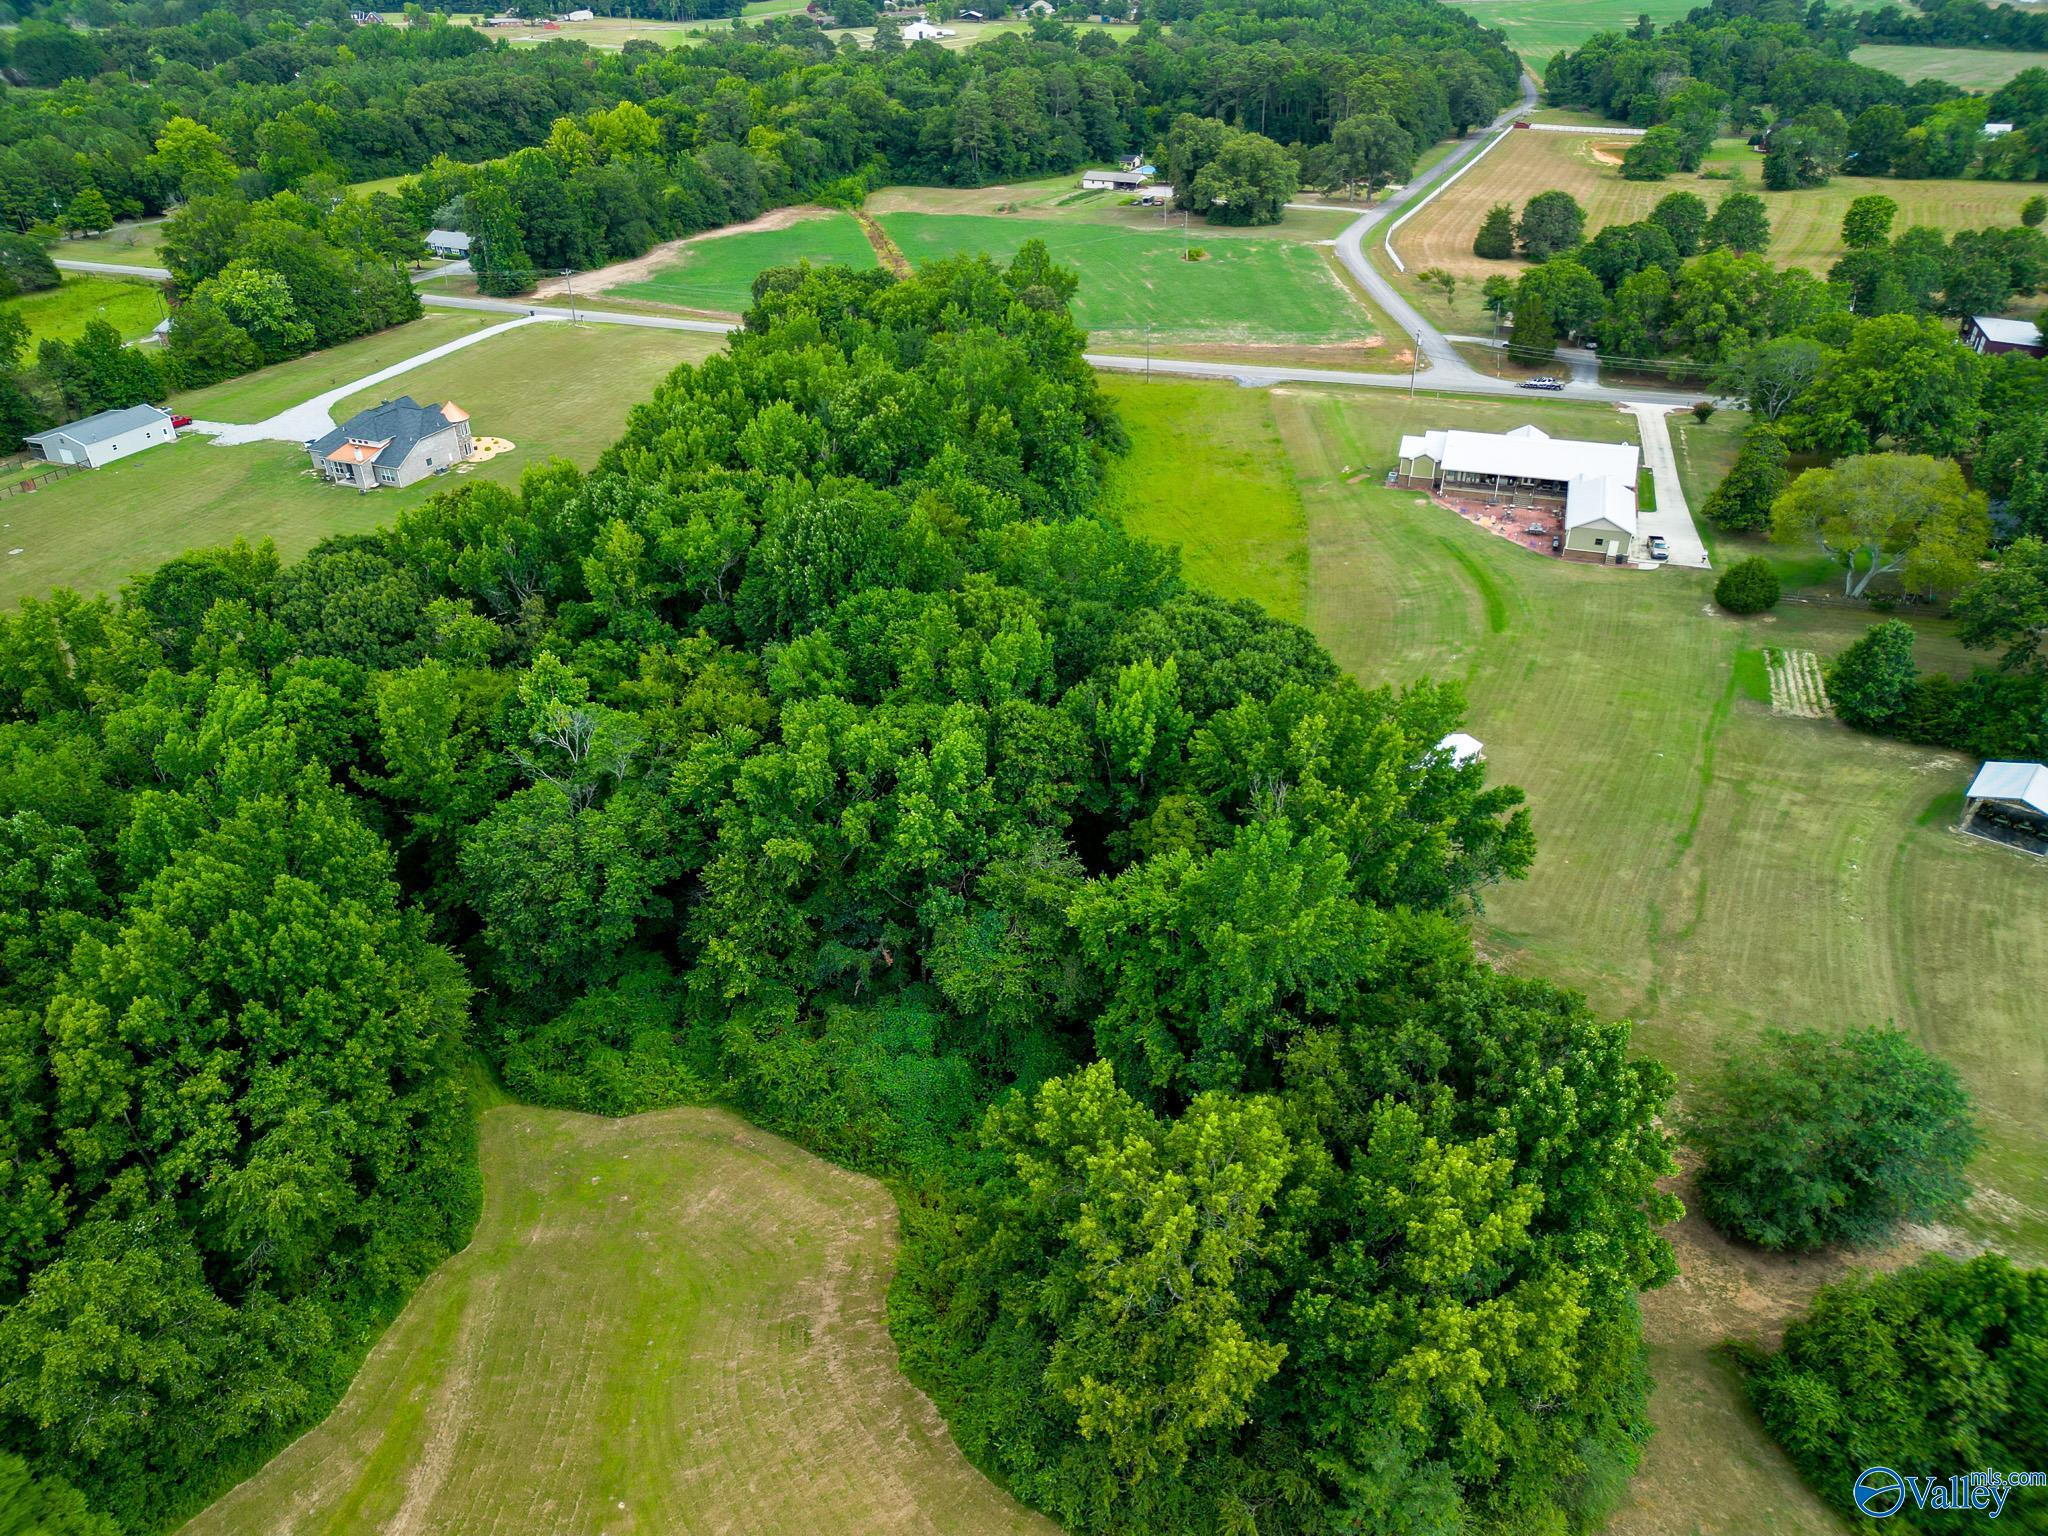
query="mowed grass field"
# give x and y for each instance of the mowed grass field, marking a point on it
(716, 272)
(1536, 29)
(1257, 292)
(553, 390)
(669, 1323)
(1704, 866)
(139, 244)
(1806, 225)
(1974, 69)
(62, 313)
(254, 396)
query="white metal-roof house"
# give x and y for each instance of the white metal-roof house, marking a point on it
(923, 31)
(2008, 802)
(105, 437)
(452, 243)
(1593, 483)
(1116, 181)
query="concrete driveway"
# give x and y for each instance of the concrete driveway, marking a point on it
(1673, 518)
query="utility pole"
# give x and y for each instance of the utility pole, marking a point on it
(1414, 362)
(569, 278)
(1148, 351)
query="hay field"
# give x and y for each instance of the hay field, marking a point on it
(1806, 225)
(1974, 69)
(669, 1323)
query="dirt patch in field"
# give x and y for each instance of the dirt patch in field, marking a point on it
(640, 268)
(1609, 151)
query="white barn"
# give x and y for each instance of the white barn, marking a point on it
(1593, 484)
(103, 438)
(923, 32)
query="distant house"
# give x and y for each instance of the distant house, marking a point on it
(1593, 484)
(393, 444)
(1039, 8)
(1115, 181)
(103, 438)
(1994, 333)
(1997, 130)
(366, 18)
(2008, 802)
(583, 14)
(452, 243)
(923, 32)
(973, 16)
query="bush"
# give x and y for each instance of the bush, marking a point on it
(1703, 411)
(1748, 586)
(1742, 501)
(1871, 683)
(1810, 1140)
(1937, 1369)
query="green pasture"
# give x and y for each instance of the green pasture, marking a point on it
(716, 272)
(668, 1323)
(139, 245)
(1705, 867)
(1974, 69)
(551, 390)
(130, 306)
(1243, 292)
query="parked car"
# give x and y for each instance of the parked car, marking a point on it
(1543, 381)
(1556, 543)
(1659, 550)
(181, 422)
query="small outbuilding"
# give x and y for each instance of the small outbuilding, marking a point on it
(1462, 749)
(1991, 334)
(923, 32)
(105, 437)
(2008, 803)
(451, 243)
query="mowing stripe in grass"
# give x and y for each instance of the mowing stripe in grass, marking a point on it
(1489, 589)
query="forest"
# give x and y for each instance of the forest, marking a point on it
(826, 751)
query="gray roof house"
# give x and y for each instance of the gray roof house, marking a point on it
(448, 242)
(105, 437)
(394, 443)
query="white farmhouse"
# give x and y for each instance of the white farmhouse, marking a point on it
(103, 438)
(923, 31)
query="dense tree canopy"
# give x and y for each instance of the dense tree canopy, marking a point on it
(826, 750)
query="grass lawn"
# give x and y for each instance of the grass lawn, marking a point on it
(132, 307)
(1062, 198)
(254, 396)
(716, 272)
(1974, 69)
(389, 184)
(1246, 291)
(139, 245)
(1806, 225)
(552, 390)
(1704, 866)
(668, 1323)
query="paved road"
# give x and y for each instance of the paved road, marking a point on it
(116, 269)
(580, 313)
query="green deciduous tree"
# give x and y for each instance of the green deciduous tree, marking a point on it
(1683, 216)
(1868, 223)
(1738, 223)
(1747, 586)
(1743, 500)
(1810, 1139)
(1882, 513)
(1551, 222)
